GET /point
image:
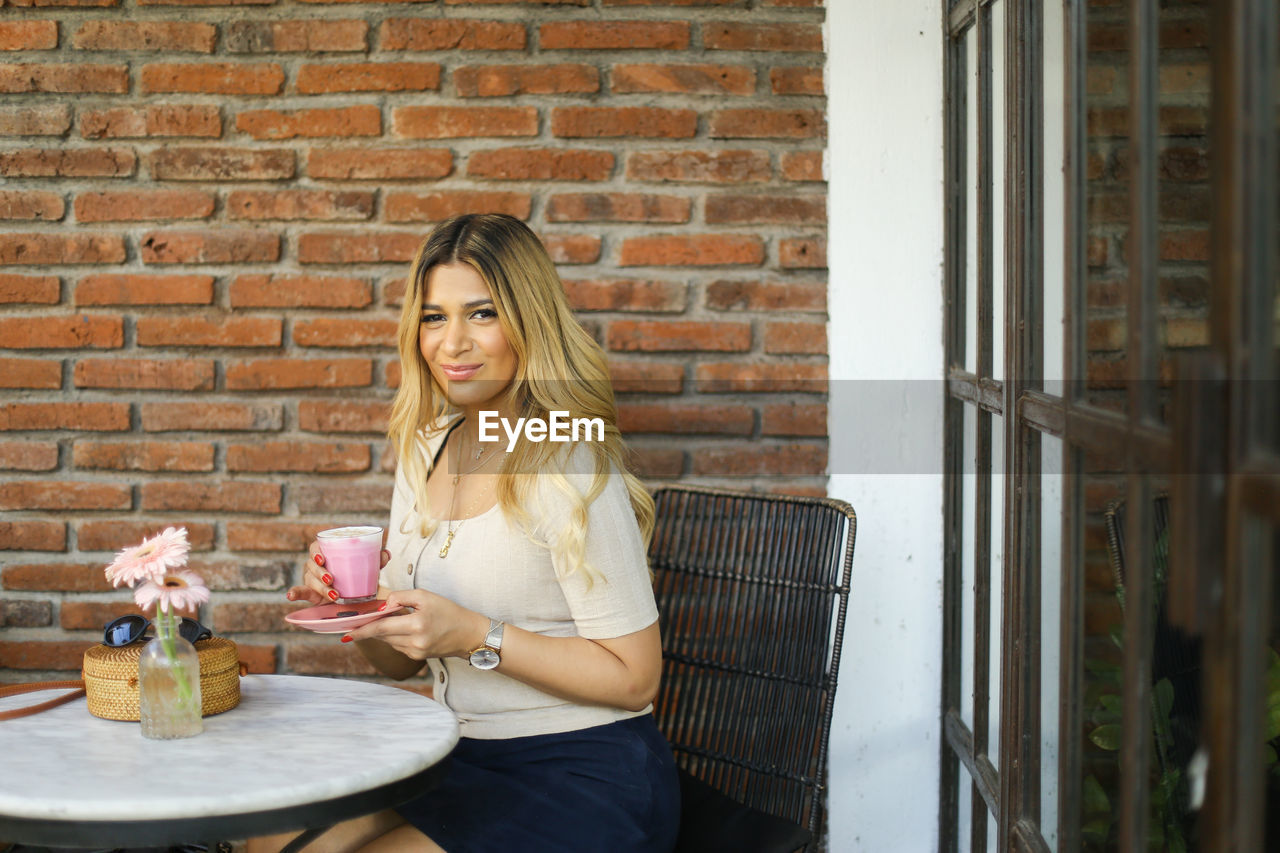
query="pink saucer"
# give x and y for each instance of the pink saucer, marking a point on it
(324, 618)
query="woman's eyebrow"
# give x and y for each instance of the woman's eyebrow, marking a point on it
(476, 303)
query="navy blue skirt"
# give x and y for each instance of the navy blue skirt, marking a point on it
(608, 788)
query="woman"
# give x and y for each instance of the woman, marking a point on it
(522, 573)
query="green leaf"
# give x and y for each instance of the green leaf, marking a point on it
(1106, 737)
(1095, 831)
(1268, 755)
(1117, 635)
(1163, 696)
(1095, 798)
(1113, 706)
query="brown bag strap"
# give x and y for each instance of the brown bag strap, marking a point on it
(77, 688)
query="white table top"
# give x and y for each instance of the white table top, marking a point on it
(287, 743)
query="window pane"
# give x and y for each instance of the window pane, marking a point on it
(997, 574)
(1050, 631)
(1054, 194)
(998, 134)
(967, 576)
(964, 831)
(971, 202)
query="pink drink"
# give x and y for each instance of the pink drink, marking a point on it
(351, 555)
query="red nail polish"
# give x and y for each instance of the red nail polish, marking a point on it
(319, 559)
(333, 595)
(326, 578)
(383, 607)
(347, 638)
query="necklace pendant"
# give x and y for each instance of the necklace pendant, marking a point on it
(444, 552)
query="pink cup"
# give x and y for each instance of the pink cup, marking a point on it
(352, 556)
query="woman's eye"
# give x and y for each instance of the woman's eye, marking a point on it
(433, 318)
(484, 314)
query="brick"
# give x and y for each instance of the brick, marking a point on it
(614, 35)
(795, 338)
(571, 248)
(313, 36)
(225, 496)
(28, 35)
(69, 3)
(223, 246)
(28, 455)
(155, 36)
(735, 209)
(670, 336)
(650, 463)
(299, 291)
(802, 253)
(157, 331)
(495, 81)
(755, 123)
(433, 207)
(31, 536)
(174, 374)
(796, 80)
(773, 36)
(345, 332)
(65, 78)
(371, 248)
(764, 460)
(205, 2)
(281, 373)
(540, 164)
(292, 536)
(88, 417)
(691, 250)
(137, 205)
(43, 494)
(92, 615)
(30, 373)
(309, 456)
(368, 77)
(52, 248)
(30, 289)
(766, 296)
(63, 577)
(25, 614)
(683, 79)
(215, 78)
(31, 205)
(236, 575)
(343, 416)
(463, 122)
(139, 289)
(731, 377)
(617, 206)
(321, 498)
(45, 120)
(794, 419)
(65, 331)
(620, 294)
(802, 166)
(1185, 245)
(53, 655)
(709, 167)
(314, 659)
(368, 164)
(360, 120)
(176, 416)
(436, 34)
(143, 455)
(240, 616)
(576, 122)
(685, 418)
(300, 204)
(222, 164)
(80, 163)
(114, 534)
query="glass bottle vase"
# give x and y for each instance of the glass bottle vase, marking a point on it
(169, 685)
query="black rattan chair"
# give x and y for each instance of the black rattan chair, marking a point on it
(752, 591)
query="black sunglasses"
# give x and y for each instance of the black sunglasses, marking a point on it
(132, 628)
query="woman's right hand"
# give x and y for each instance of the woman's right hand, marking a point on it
(317, 583)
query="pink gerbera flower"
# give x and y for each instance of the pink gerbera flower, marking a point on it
(175, 591)
(150, 560)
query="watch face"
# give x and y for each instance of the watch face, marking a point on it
(485, 658)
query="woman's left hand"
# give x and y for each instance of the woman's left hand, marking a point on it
(432, 626)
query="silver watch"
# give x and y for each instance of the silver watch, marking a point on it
(488, 655)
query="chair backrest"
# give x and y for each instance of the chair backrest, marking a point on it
(752, 591)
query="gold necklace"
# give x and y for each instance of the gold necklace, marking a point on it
(450, 530)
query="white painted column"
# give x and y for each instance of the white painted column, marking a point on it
(884, 90)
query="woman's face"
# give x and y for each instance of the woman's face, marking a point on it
(461, 339)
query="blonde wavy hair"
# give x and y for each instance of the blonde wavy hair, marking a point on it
(559, 367)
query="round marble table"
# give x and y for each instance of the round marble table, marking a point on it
(297, 753)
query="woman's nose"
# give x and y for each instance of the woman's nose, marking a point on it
(456, 339)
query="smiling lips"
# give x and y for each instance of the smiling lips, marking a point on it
(459, 372)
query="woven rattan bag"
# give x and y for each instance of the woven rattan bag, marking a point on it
(111, 679)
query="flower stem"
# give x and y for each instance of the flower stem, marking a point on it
(167, 629)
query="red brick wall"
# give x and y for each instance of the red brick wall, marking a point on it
(208, 206)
